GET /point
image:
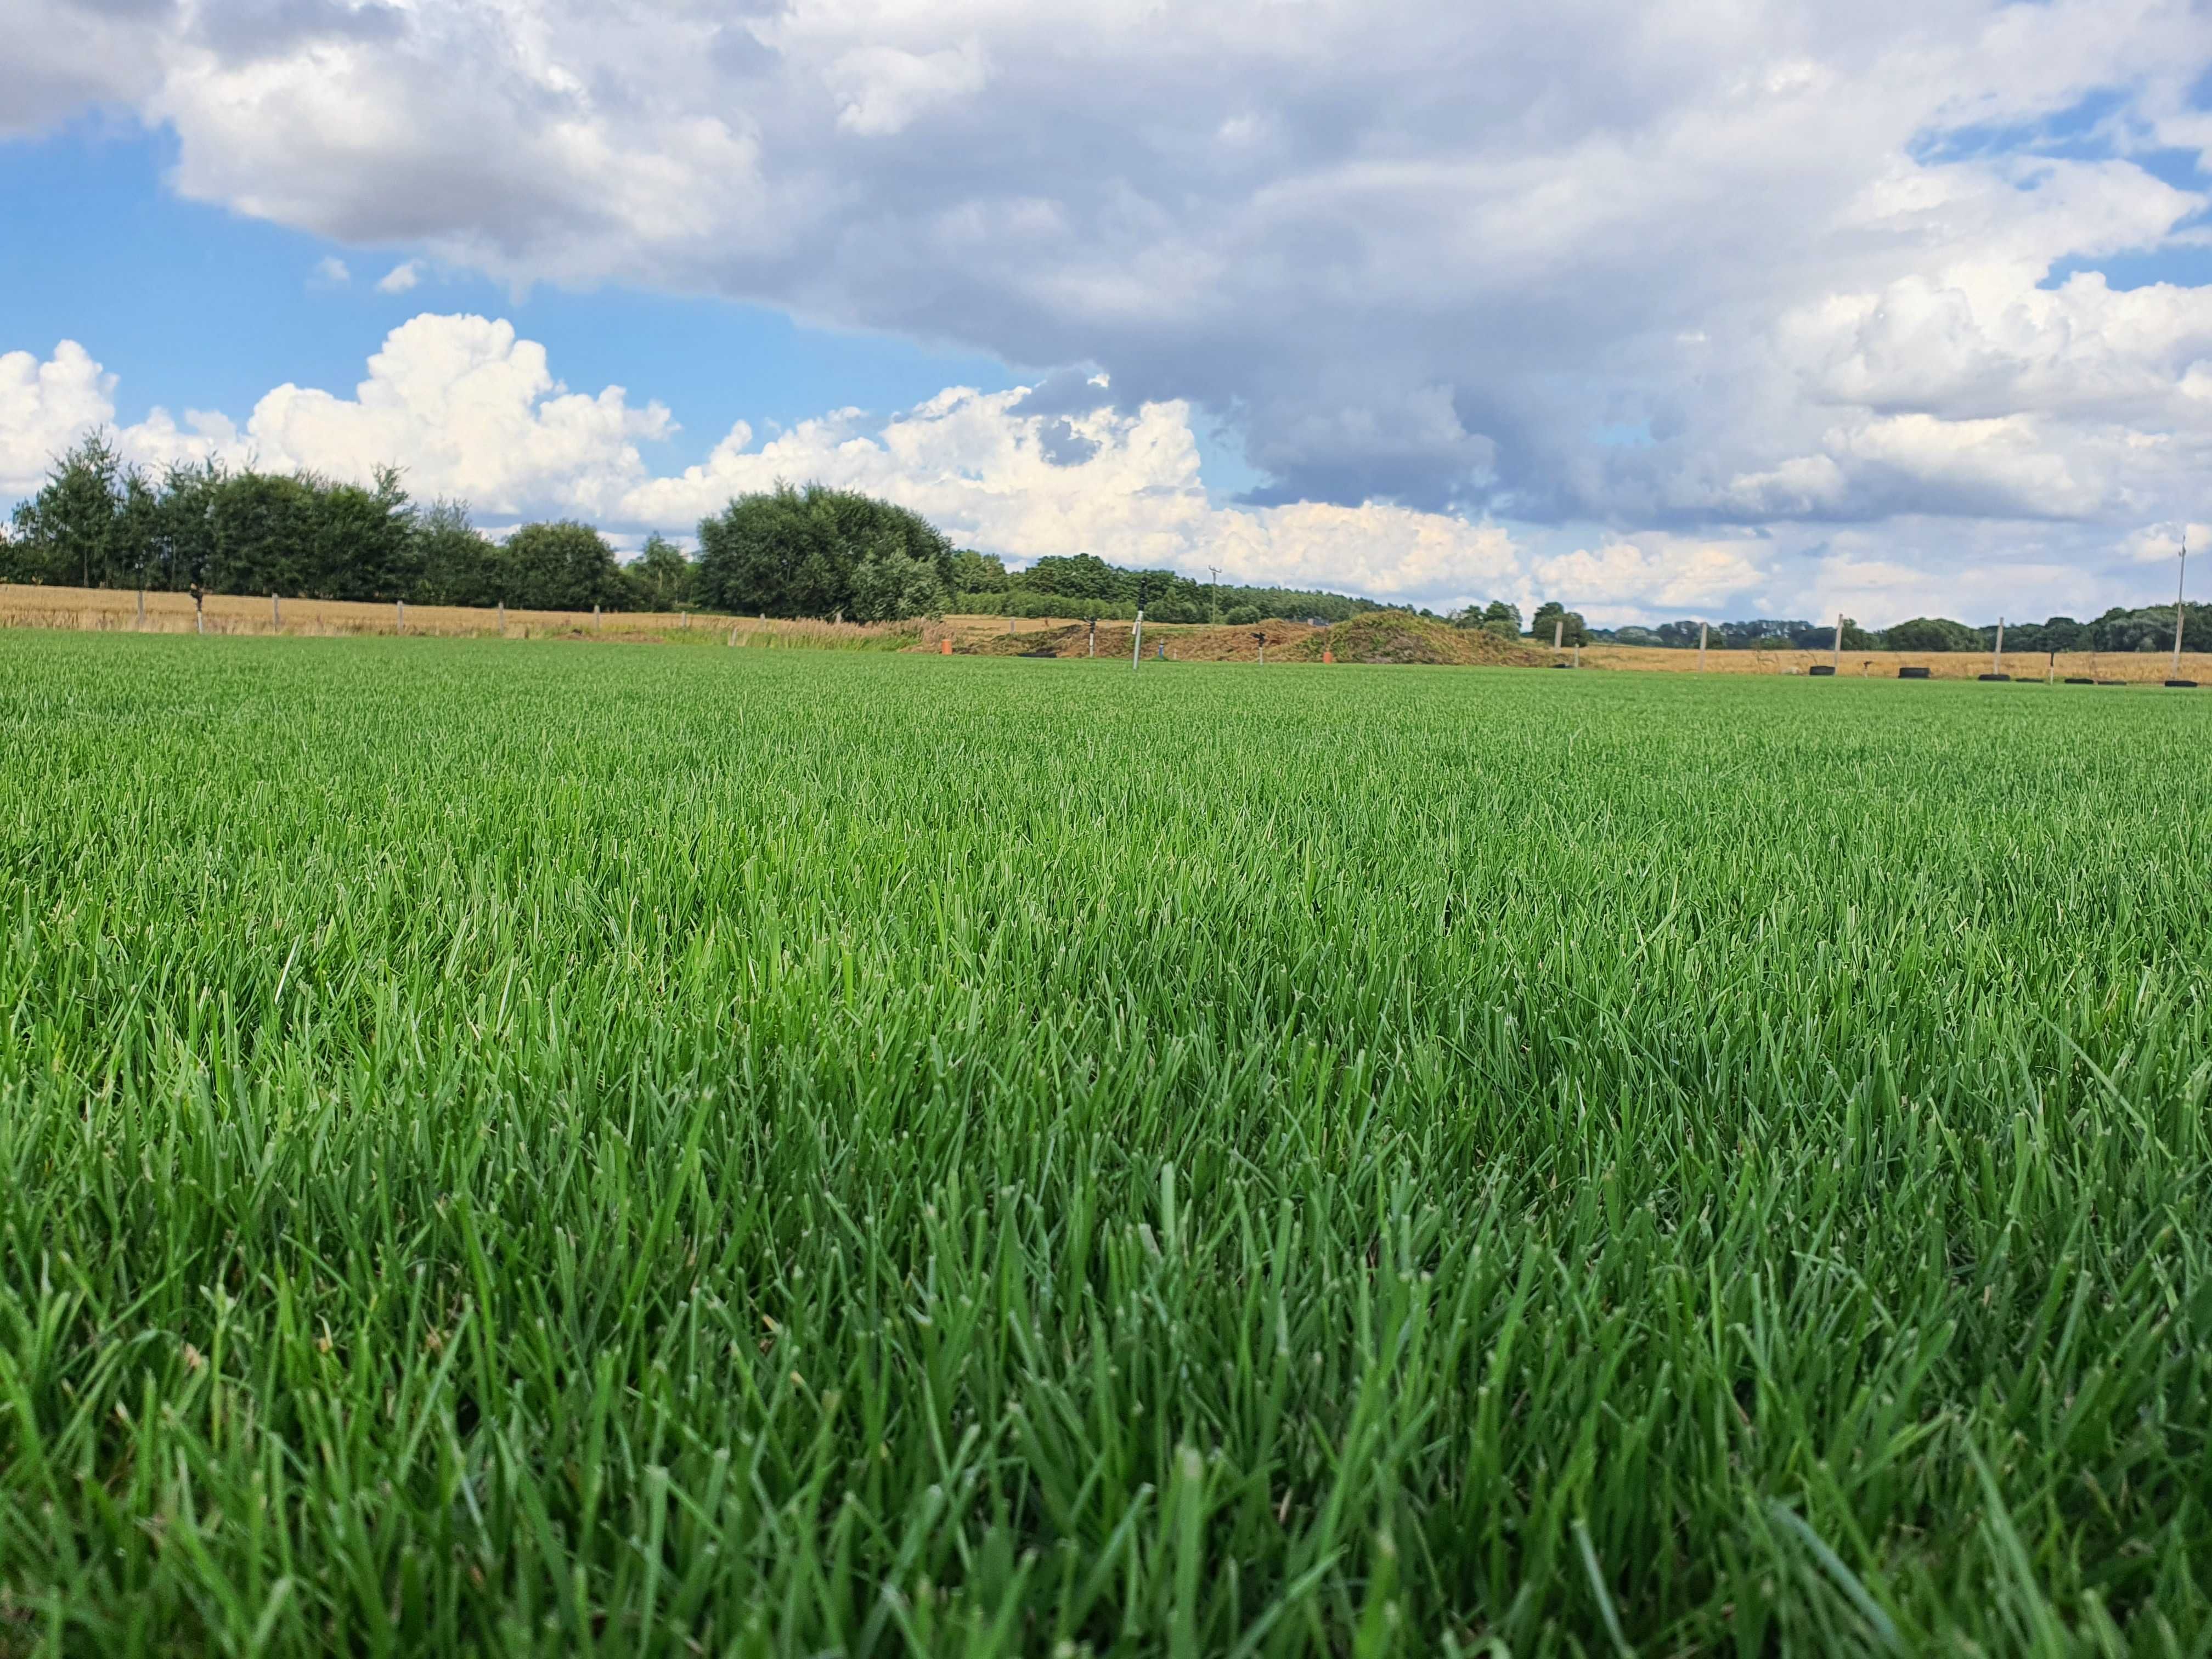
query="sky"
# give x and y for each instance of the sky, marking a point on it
(1718, 308)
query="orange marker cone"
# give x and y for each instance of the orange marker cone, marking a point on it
(1328, 655)
(944, 648)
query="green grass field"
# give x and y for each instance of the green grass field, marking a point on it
(628, 1151)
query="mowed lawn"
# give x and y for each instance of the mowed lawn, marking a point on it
(627, 1150)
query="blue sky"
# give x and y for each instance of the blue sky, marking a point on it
(1777, 310)
(204, 306)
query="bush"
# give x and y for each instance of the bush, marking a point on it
(1932, 634)
(1243, 616)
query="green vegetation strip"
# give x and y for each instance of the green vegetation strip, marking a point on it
(677, 1153)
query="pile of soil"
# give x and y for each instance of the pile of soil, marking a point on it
(1377, 636)
(1387, 636)
(1183, 643)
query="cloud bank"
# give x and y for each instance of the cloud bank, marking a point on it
(469, 409)
(1781, 281)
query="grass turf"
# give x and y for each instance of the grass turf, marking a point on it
(644, 1151)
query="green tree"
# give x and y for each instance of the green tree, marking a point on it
(264, 530)
(790, 552)
(364, 545)
(1079, 576)
(70, 533)
(454, 562)
(890, 585)
(978, 573)
(1573, 630)
(1930, 634)
(184, 551)
(662, 575)
(559, 566)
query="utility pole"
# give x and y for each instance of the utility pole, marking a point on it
(2181, 582)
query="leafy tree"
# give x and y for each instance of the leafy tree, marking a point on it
(184, 549)
(138, 525)
(68, 534)
(1931, 634)
(1082, 576)
(662, 576)
(2152, 628)
(1168, 598)
(890, 585)
(1762, 632)
(788, 552)
(364, 544)
(978, 573)
(1242, 616)
(559, 566)
(455, 563)
(1502, 610)
(264, 530)
(1573, 629)
(2057, 634)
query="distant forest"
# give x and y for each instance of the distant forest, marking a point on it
(2149, 629)
(786, 552)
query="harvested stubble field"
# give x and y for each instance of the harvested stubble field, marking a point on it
(2117, 667)
(112, 611)
(676, 1152)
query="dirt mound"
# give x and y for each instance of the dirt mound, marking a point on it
(1181, 642)
(1377, 636)
(1386, 636)
(1068, 639)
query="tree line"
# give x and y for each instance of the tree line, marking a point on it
(792, 551)
(1082, 585)
(100, 523)
(2148, 627)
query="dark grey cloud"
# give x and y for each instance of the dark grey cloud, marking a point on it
(1063, 446)
(1065, 391)
(244, 30)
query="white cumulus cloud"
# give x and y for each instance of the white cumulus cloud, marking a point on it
(44, 407)
(469, 409)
